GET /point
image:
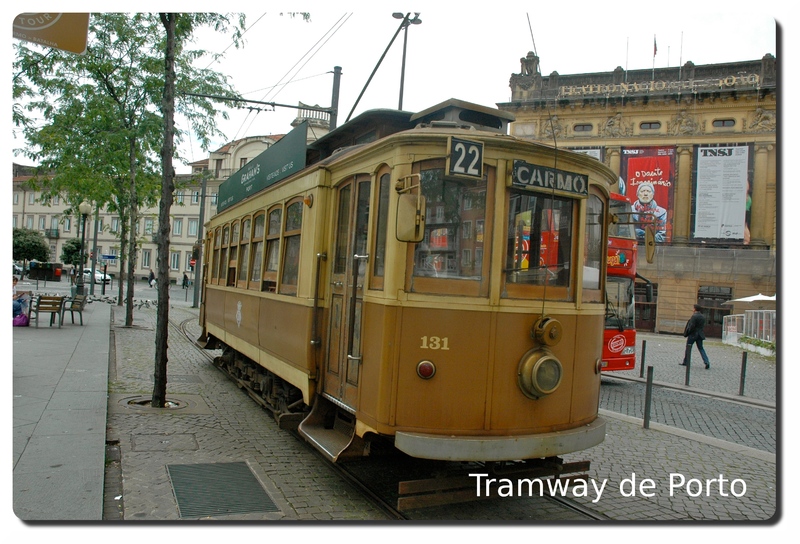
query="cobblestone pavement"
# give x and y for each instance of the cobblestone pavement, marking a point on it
(218, 423)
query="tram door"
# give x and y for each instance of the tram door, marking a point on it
(349, 270)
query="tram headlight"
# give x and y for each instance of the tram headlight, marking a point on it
(629, 350)
(539, 373)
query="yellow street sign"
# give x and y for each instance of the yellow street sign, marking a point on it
(66, 31)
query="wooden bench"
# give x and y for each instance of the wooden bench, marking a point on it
(48, 305)
(72, 305)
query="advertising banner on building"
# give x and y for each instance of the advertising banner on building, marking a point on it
(648, 179)
(722, 193)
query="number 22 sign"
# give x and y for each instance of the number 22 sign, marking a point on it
(465, 158)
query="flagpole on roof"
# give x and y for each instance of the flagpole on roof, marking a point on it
(655, 50)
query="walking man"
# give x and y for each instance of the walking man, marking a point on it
(694, 333)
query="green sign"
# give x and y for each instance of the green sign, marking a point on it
(274, 164)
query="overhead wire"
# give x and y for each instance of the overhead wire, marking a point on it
(310, 54)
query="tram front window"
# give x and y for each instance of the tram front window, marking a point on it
(453, 246)
(539, 245)
(619, 303)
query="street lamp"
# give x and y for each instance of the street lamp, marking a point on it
(85, 208)
(406, 22)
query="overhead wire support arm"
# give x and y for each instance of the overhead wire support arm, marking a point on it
(273, 104)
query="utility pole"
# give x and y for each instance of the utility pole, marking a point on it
(200, 237)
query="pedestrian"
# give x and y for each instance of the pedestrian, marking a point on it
(185, 281)
(151, 279)
(694, 333)
(72, 276)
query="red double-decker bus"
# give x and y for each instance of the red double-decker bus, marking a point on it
(619, 337)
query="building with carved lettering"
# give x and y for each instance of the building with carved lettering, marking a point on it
(701, 140)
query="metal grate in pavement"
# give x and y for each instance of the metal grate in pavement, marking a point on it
(218, 489)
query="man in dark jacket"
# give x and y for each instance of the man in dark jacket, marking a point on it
(694, 333)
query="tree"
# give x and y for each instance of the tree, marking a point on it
(71, 253)
(30, 245)
(103, 123)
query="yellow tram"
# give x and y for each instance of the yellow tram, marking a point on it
(420, 277)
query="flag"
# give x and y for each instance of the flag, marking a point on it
(655, 46)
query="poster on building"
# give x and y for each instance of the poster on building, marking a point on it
(647, 175)
(722, 193)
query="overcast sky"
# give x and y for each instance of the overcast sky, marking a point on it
(461, 53)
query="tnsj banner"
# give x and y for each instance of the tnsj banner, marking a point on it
(648, 177)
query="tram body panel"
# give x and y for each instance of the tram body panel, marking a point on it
(455, 398)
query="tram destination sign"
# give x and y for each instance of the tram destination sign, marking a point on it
(275, 163)
(534, 176)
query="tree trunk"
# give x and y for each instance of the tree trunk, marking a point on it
(167, 188)
(134, 208)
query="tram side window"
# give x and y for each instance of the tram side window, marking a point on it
(270, 282)
(223, 259)
(244, 252)
(291, 250)
(448, 250)
(233, 254)
(539, 245)
(258, 250)
(382, 220)
(217, 245)
(594, 249)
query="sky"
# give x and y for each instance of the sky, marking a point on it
(464, 52)
(453, 54)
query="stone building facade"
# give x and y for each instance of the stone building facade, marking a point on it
(704, 138)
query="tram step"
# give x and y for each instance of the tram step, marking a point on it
(329, 433)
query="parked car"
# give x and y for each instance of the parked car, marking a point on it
(99, 277)
(17, 270)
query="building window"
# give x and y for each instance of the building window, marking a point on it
(214, 199)
(29, 222)
(192, 228)
(179, 198)
(242, 162)
(177, 227)
(42, 222)
(146, 258)
(196, 197)
(650, 125)
(16, 198)
(583, 128)
(67, 224)
(148, 225)
(31, 198)
(174, 260)
(724, 123)
(114, 224)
